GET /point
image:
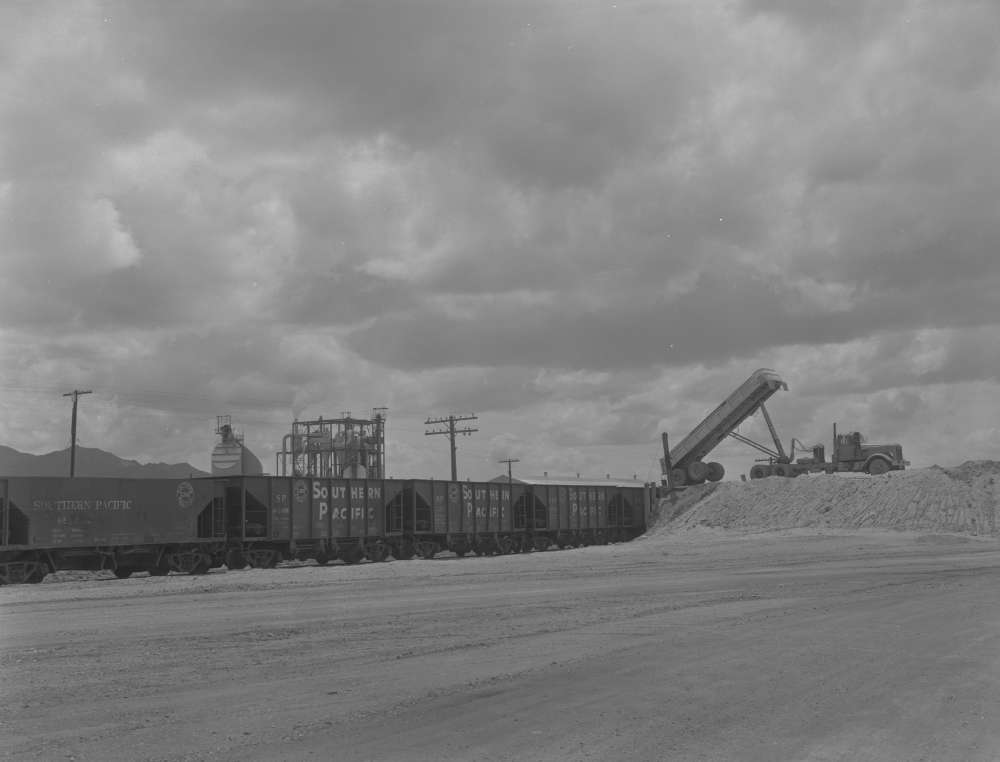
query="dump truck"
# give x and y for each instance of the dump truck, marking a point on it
(850, 454)
(686, 464)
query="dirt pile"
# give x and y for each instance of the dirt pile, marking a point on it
(960, 500)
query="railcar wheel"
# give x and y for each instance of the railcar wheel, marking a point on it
(188, 562)
(263, 558)
(352, 554)
(404, 551)
(486, 546)
(37, 574)
(427, 549)
(235, 560)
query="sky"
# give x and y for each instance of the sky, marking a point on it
(583, 223)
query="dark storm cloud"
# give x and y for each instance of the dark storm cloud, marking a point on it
(547, 211)
(542, 90)
(722, 315)
(343, 67)
(824, 16)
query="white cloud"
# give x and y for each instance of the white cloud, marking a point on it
(587, 225)
(103, 234)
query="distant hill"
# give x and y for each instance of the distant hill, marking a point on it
(89, 462)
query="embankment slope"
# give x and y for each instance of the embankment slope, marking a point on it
(959, 500)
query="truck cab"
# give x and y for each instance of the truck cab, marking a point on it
(847, 447)
(850, 453)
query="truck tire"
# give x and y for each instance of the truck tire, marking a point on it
(715, 471)
(697, 472)
(877, 466)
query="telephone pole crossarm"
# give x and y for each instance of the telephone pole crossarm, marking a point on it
(510, 472)
(451, 431)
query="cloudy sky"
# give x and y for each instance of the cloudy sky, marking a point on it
(584, 223)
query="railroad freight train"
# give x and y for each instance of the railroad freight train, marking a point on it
(193, 525)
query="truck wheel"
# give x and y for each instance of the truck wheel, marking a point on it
(697, 471)
(878, 466)
(715, 471)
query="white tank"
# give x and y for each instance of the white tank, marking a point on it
(231, 458)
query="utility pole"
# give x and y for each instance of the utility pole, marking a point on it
(75, 394)
(510, 473)
(451, 431)
(510, 479)
(379, 414)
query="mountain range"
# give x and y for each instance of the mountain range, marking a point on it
(90, 461)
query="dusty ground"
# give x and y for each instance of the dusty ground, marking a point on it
(690, 645)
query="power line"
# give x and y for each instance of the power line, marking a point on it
(451, 431)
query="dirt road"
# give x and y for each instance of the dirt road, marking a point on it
(701, 646)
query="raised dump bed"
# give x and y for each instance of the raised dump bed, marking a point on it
(686, 457)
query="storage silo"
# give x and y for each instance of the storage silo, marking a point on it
(231, 457)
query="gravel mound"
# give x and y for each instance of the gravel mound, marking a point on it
(960, 500)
